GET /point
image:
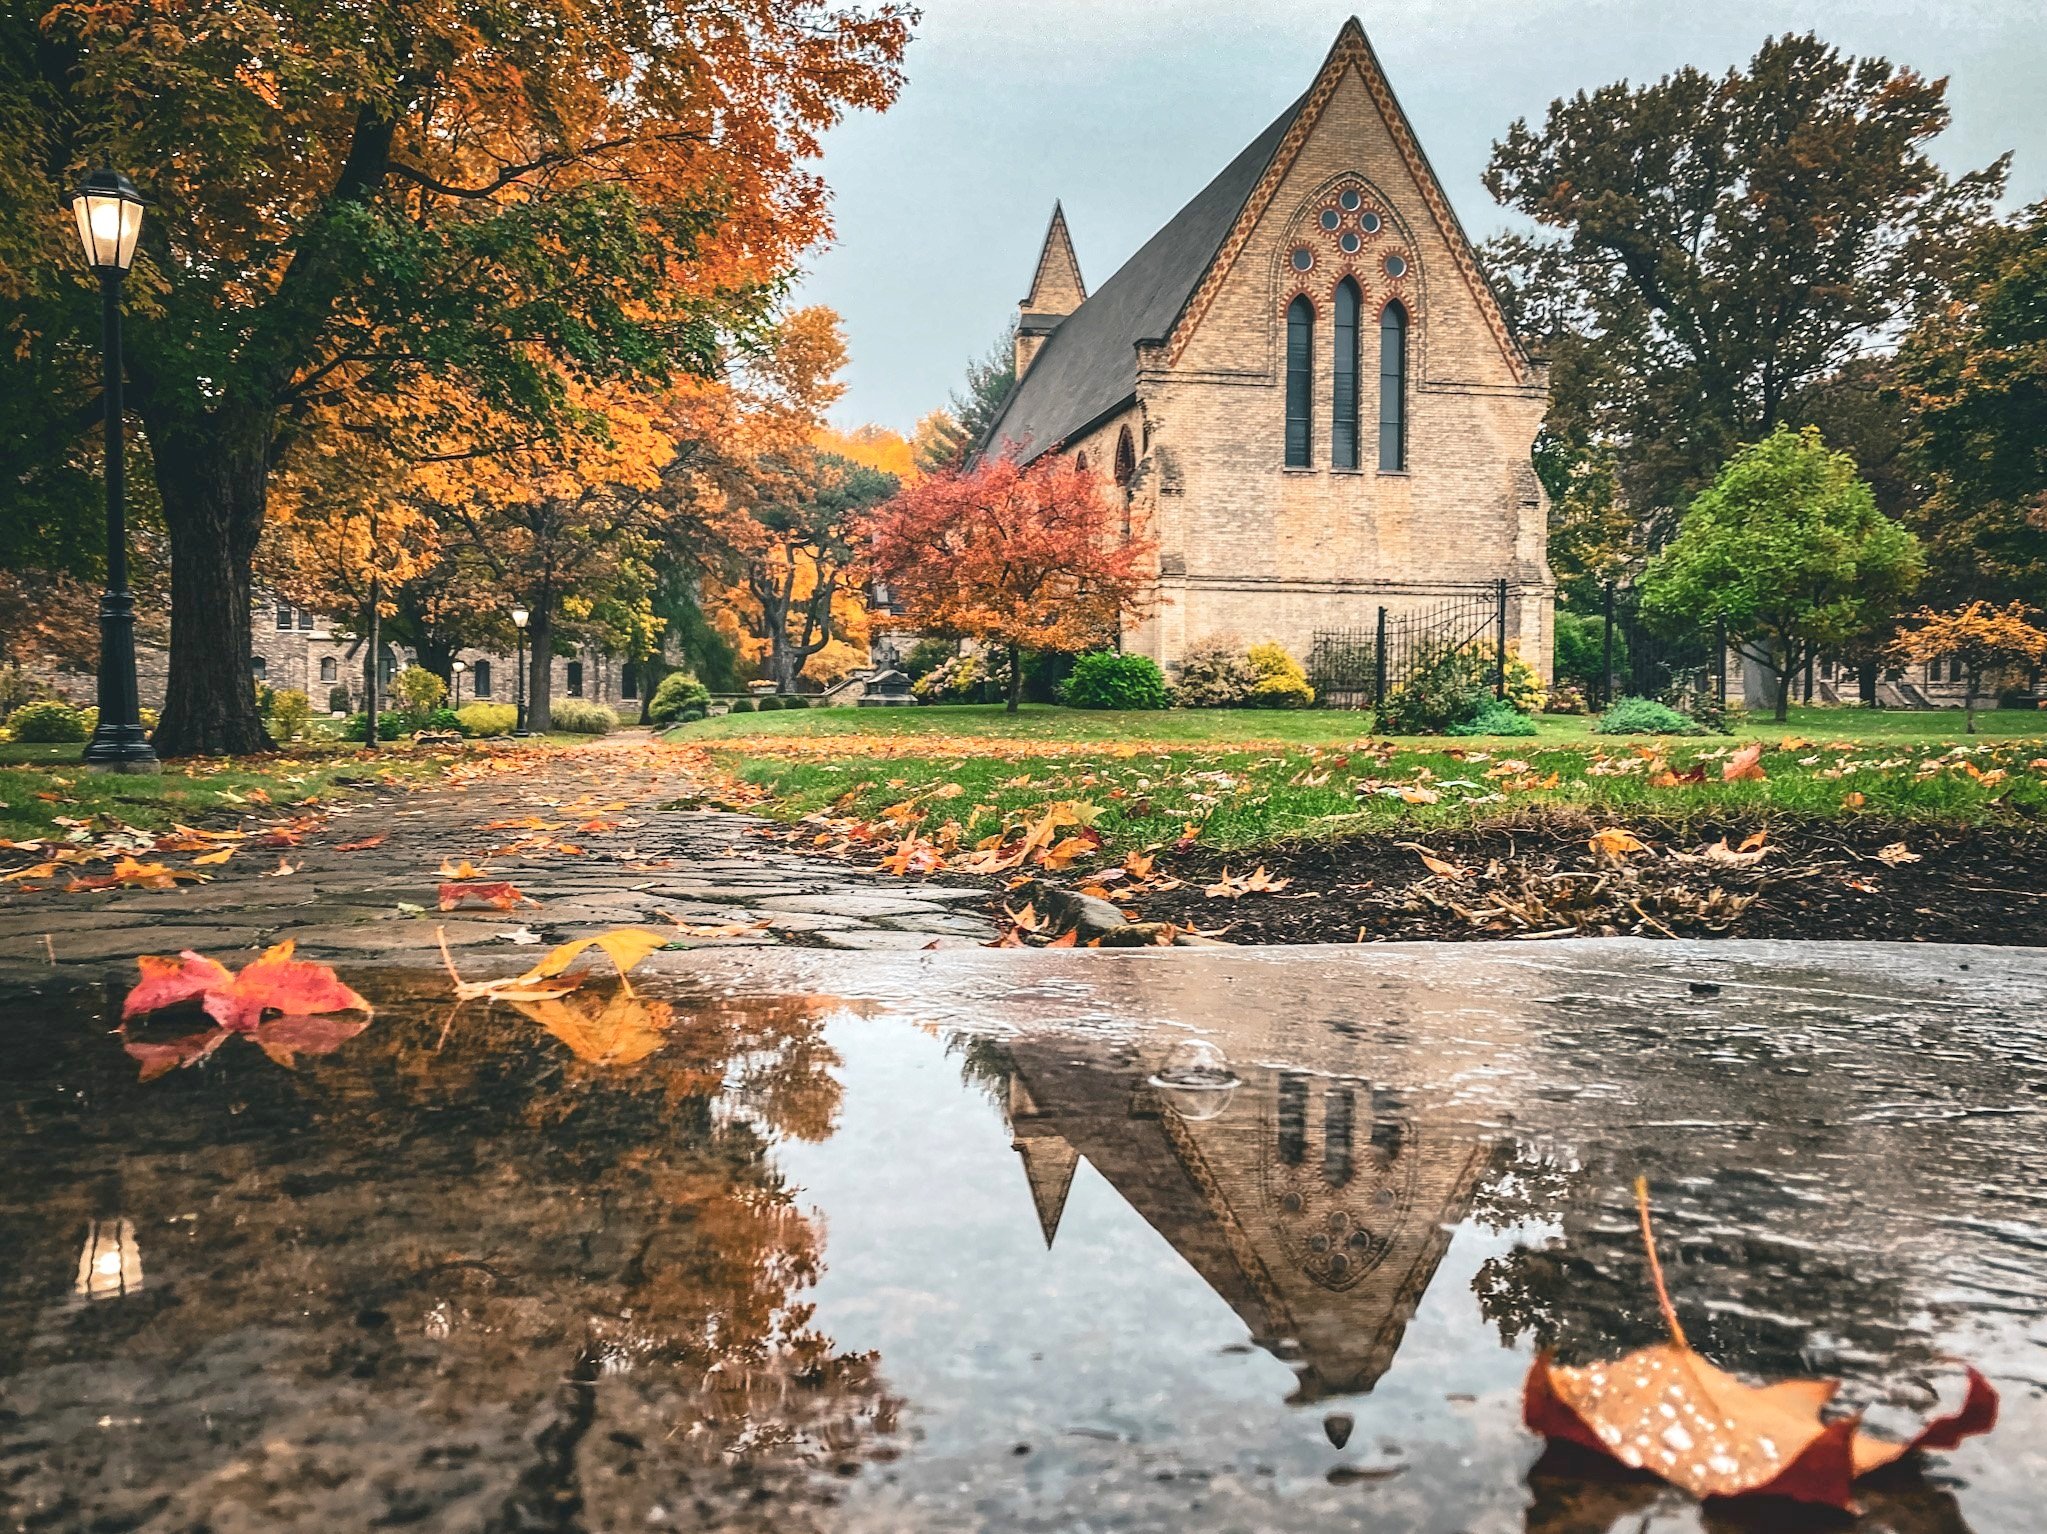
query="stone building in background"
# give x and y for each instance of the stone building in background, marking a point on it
(1304, 387)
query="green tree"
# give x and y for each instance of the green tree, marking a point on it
(808, 537)
(1724, 244)
(1788, 547)
(947, 438)
(448, 204)
(1975, 374)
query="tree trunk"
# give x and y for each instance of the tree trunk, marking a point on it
(212, 486)
(1015, 678)
(1787, 668)
(1865, 683)
(1969, 700)
(540, 668)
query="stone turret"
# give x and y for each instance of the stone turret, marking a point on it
(1056, 291)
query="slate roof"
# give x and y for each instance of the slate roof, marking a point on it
(1088, 368)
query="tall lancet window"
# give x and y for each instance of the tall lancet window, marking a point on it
(1300, 381)
(1393, 389)
(1343, 414)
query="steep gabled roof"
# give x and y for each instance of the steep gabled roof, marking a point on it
(1058, 287)
(1088, 367)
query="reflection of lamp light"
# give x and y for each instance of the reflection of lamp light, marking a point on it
(111, 1264)
(1196, 1081)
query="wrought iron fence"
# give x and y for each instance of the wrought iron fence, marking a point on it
(1357, 668)
(1678, 664)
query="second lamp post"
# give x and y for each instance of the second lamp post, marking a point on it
(519, 617)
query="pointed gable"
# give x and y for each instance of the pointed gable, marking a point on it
(1353, 51)
(1058, 287)
(1049, 1164)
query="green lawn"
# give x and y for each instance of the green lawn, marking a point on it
(1249, 779)
(1311, 727)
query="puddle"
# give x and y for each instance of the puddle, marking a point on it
(953, 1241)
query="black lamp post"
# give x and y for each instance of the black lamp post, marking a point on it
(519, 617)
(109, 214)
(457, 668)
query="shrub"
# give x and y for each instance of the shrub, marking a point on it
(1448, 685)
(419, 690)
(1580, 651)
(798, 700)
(679, 690)
(770, 703)
(338, 700)
(1216, 674)
(744, 706)
(49, 720)
(479, 719)
(444, 719)
(963, 679)
(579, 717)
(1497, 717)
(265, 696)
(1525, 687)
(1108, 680)
(290, 712)
(390, 726)
(1645, 716)
(926, 656)
(1282, 683)
(18, 687)
(1566, 700)
(689, 716)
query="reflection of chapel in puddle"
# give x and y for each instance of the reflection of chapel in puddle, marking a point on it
(1317, 1207)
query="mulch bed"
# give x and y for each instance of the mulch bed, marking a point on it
(1538, 880)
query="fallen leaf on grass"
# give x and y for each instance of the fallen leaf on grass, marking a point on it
(1665, 1410)
(1854, 801)
(626, 947)
(1745, 766)
(497, 897)
(1896, 853)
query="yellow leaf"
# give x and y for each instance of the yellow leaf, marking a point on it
(1613, 842)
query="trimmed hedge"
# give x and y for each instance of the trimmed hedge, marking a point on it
(678, 691)
(1106, 679)
(479, 719)
(1645, 716)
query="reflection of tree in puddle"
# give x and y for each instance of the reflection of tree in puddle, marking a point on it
(469, 1270)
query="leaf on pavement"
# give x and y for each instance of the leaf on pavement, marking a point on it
(1665, 1410)
(501, 896)
(148, 876)
(452, 870)
(362, 846)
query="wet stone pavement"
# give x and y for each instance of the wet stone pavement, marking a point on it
(969, 1239)
(645, 858)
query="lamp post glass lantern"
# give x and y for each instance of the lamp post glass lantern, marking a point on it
(519, 617)
(109, 214)
(458, 667)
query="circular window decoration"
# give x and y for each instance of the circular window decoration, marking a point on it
(1396, 266)
(1331, 218)
(1351, 202)
(1351, 244)
(1303, 259)
(1370, 222)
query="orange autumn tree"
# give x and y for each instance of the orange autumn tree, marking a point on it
(1986, 640)
(1018, 557)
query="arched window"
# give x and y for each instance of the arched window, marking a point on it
(629, 679)
(575, 678)
(480, 674)
(1343, 410)
(1080, 462)
(1393, 389)
(1126, 459)
(330, 669)
(1300, 382)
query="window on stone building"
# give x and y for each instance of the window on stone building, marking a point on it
(629, 679)
(305, 617)
(480, 675)
(1343, 411)
(575, 678)
(1300, 382)
(1126, 458)
(260, 666)
(283, 617)
(1393, 389)
(330, 669)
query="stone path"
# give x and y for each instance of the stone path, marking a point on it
(699, 868)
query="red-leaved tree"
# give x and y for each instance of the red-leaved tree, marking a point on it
(1019, 557)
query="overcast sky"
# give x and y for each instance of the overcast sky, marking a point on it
(1125, 108)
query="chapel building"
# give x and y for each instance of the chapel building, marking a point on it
(1303, 385)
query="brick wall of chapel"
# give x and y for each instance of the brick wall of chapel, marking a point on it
(1275, 553)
